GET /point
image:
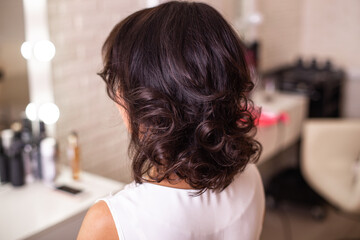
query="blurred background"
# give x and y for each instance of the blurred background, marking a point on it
(304, 58)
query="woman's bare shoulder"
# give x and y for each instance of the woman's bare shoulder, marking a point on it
(98, 223)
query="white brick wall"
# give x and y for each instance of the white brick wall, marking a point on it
(330, 30)
(325, 29)
(280, 32)
(78, 29)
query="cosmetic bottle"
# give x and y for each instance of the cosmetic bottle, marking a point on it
(42, 130)
(48, 151)
(74, 154)
(36, 161)
(6, 139)
(27, 138)
(28, 164)
(15, 155)
(35, 152)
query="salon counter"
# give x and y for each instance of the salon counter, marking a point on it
(284, 115)
(38, 211)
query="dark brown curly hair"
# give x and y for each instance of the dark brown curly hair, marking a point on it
(179, 71)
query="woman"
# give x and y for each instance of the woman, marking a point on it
(178, 75)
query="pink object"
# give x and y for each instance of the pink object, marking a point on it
(284, 117)
(270, 118)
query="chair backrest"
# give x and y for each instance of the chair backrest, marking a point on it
(330, 160)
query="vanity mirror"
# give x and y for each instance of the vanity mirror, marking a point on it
(14, 90)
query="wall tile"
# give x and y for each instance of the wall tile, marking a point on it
(78, 29)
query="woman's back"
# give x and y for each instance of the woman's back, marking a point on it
(150, 211)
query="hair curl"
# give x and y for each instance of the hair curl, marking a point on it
(180, 73)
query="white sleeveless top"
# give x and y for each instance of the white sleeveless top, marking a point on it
(155, 212)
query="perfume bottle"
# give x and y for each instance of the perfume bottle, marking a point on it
(74, 154)
(48, 150)
(35, 151)
(17, 177)
(27, 138)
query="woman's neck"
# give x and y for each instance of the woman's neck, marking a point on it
(182, 184)
(173, 182)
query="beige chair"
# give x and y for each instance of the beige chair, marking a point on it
(330, 161)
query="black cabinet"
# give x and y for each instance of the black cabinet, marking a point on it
(323, 86)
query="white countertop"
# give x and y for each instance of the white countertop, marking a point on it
(32, 208)
(282, 134)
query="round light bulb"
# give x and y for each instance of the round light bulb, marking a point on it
(30, 111)
(152, 3)
(255, 18)
(49, 113)
(26, 50)
(44, 50)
